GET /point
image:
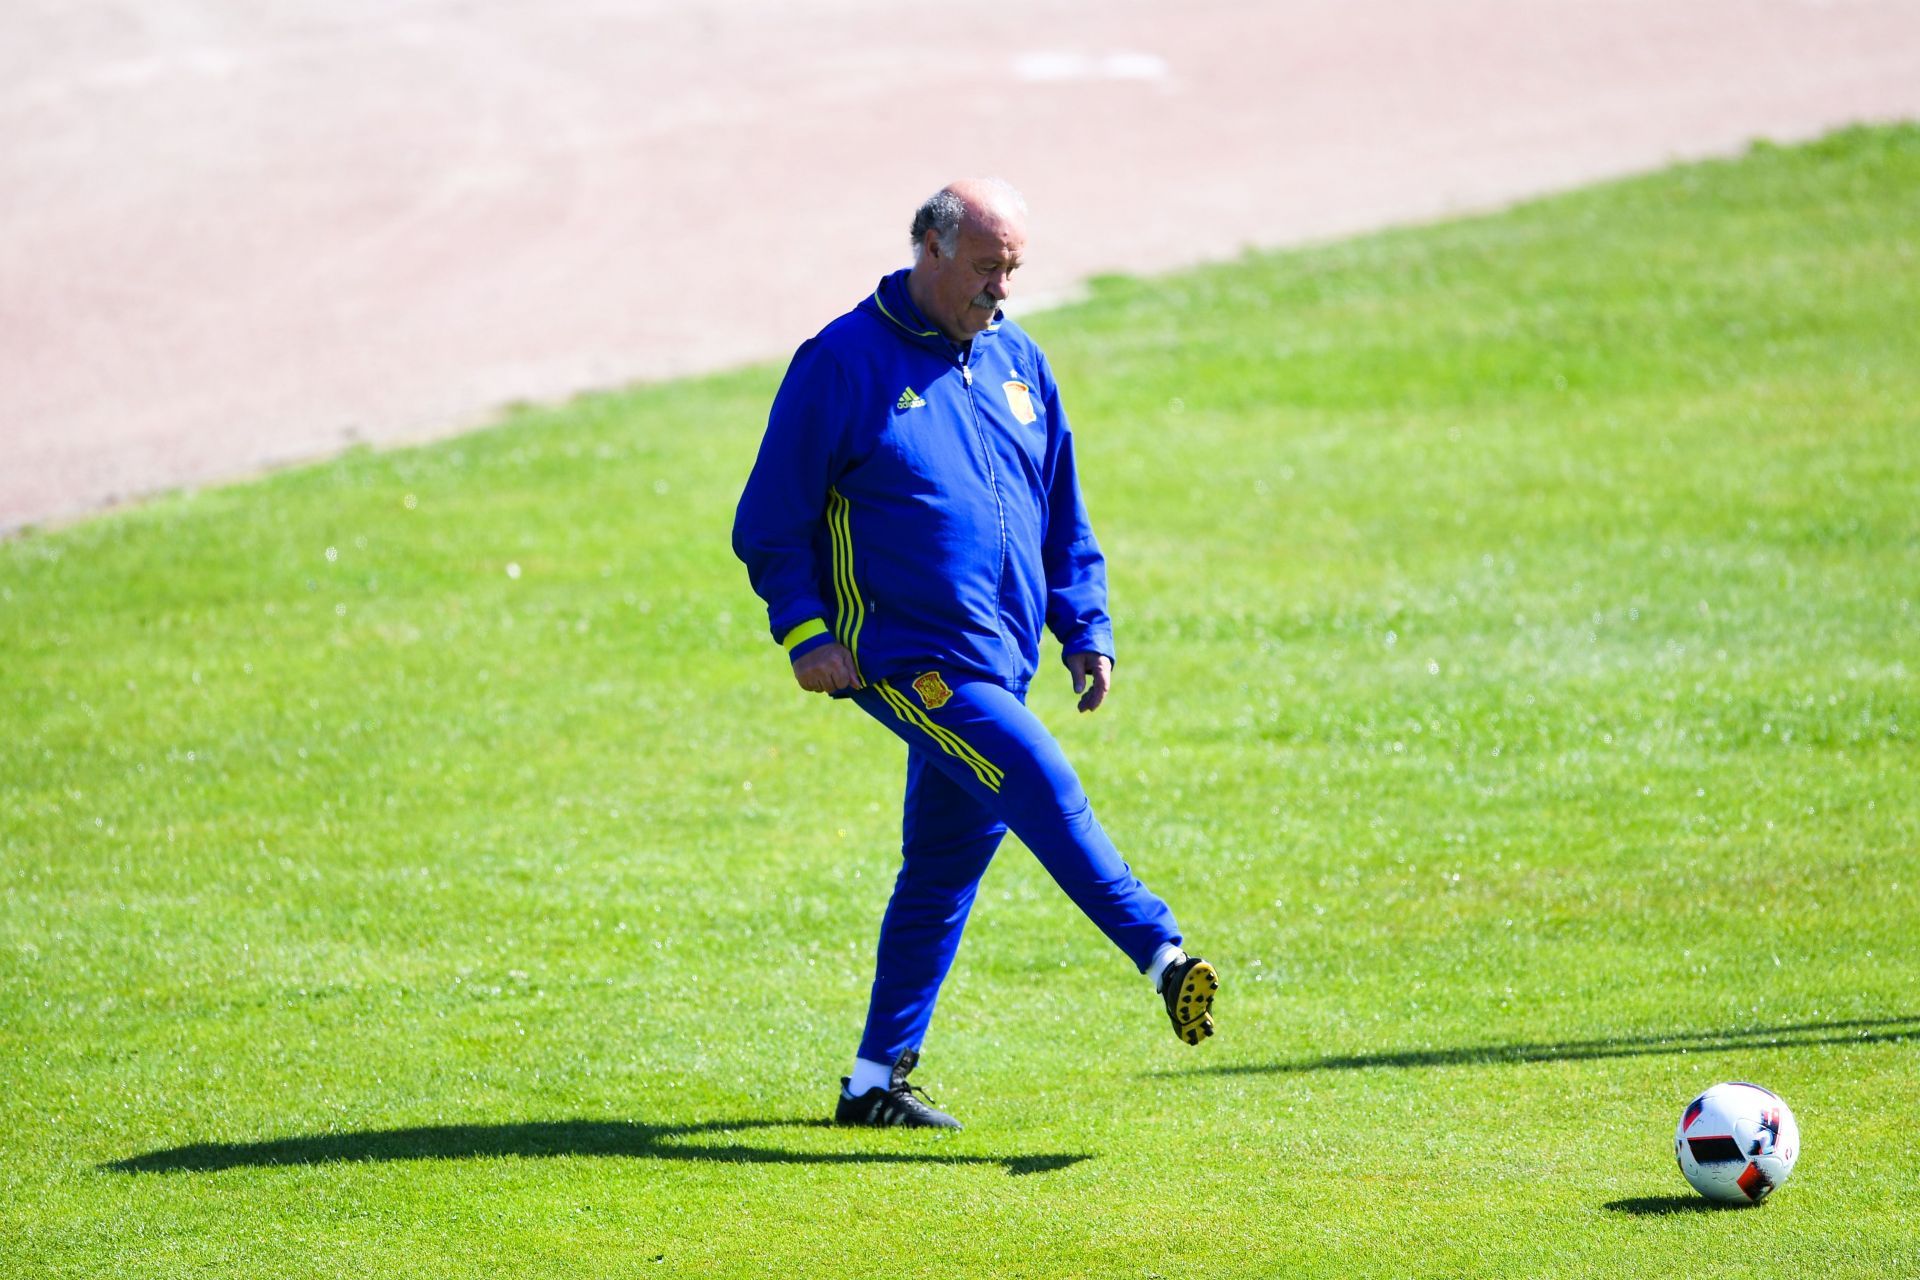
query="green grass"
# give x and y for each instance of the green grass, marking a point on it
(1516, 701)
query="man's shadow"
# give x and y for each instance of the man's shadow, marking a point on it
(1789, 1036)
(533, 1139)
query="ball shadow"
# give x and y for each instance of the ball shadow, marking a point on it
(1665, 1206)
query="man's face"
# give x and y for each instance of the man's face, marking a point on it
(965, 290)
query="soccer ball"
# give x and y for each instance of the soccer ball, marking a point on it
(1736, 1142)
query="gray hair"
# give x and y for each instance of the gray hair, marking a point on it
(943, 211)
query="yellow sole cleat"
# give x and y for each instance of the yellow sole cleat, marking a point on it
(1188, 988)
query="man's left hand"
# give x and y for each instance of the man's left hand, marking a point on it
(1092, 677)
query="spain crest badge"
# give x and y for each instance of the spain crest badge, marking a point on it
(933, 691)
(1019, 401)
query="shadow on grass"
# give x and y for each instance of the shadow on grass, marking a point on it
(537, 1139)
(1664, 1206)
(1792, 1036)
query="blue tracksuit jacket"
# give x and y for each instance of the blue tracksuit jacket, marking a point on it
(920, 504)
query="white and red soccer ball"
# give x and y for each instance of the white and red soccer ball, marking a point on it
(1736, 1142)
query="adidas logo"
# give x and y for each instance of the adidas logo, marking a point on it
(910, 399)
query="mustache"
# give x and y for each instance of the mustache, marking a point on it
(986, 300)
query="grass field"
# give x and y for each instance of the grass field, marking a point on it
(422, 864)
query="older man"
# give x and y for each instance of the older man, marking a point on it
(912, 520)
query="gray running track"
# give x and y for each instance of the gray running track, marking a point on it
(233, 235)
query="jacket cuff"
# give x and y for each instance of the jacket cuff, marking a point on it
(808, 636)
(1092, 640)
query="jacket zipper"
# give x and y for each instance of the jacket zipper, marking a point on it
(1000, 510)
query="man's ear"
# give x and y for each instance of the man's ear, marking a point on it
(931, 245)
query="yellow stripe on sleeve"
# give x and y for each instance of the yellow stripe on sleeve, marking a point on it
(851, 613)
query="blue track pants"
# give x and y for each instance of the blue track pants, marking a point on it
(979, 764)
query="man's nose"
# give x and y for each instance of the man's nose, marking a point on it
(997, 288)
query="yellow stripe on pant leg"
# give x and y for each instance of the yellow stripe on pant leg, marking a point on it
(990, 774)
(904, 716)
(995, 774)
(941, 732)
(909, 715)
(967, 749)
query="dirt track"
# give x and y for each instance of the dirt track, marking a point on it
(235, 235)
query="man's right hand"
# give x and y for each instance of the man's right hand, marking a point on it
(826, 669)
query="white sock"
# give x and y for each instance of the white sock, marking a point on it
(1165, 958)
(868, 1075)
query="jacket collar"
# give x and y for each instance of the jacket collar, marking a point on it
(892, 304)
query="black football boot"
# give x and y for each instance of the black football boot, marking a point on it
(1188, 988)
(894, 1106)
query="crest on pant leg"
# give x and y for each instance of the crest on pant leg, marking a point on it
(933, 691)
